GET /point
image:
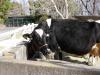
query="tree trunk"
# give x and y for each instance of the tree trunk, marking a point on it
(94, 6)
(66, 5)
(57, 9)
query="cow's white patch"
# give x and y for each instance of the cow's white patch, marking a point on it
(47, 35)
(90, 20)
(98, 21)
(40, 32)
(94, 46)
(49, 22)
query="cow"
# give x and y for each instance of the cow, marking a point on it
(36, 47)
(71, 36)
(94, 54)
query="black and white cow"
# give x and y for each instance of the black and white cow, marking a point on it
(72, 36)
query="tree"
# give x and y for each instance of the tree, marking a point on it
(88, 7)
(5, 5)
(16, 10)
(55, 8)
(67, 8)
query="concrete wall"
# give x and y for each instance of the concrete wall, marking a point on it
(20, 67)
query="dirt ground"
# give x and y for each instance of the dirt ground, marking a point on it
(2, 26)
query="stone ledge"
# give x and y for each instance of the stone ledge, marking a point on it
(24, 67)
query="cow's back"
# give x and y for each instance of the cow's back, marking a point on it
(74, 36)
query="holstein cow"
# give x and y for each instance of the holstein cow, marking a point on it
(36, 47)
(72, 36)
(94, 54)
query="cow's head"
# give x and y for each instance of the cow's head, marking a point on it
(42, 31)
(39, 38)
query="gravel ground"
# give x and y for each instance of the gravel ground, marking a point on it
(5, 29)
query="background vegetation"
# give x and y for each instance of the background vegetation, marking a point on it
(5, 6)
(40, 9)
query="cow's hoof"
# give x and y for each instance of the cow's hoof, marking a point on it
(38, 56)
(90, 64)
(50, 55)
(91, 61)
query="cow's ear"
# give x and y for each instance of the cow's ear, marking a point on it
(27, 36)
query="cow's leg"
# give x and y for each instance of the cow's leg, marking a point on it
(38, 55)
(91, 60)
(45, 49)
(94, 54)
(47, 52)
(58, 55)
(50, 55)
(86, 57)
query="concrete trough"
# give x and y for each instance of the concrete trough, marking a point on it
(24, 67)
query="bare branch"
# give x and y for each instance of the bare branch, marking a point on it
(66, 5)
(86, 8)
(94, 6)
(57, 9)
